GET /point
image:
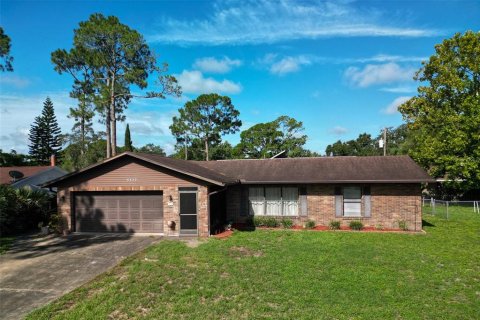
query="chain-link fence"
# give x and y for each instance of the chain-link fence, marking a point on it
(450, 209)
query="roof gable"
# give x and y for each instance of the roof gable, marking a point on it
(187, 168)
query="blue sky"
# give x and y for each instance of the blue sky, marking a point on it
(341, 67)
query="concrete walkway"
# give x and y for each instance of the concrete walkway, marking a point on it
(37, 270)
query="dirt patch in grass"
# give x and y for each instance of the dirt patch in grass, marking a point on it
(243, 252)
(117, 314)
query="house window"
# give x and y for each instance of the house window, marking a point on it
(352, 201)
(273, 201)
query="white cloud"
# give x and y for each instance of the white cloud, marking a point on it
(373, 74)
(213, 65)
(288, 65)
(13, 80)
(195, 82)
(148, 127)
(280, 65)
(392, 108)
(338, 130)
(18, 112)
(263, 21)
(400, 89)
(391, 58)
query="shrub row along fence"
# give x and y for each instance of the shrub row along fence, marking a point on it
(447, 209)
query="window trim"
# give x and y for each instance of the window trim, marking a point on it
(281, 214)
(359, 201)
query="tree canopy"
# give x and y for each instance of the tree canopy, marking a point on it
(152, 148)
(265, 140)
(445, 114)
(45, 135)
(13, 159)
(5, 45)
(206, 118)
(111, 57)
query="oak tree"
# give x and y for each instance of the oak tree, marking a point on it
(445, 114)
(206, 118)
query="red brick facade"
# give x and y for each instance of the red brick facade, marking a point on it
(170, 212)
(390, 203)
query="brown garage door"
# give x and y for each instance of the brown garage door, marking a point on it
(119, 212)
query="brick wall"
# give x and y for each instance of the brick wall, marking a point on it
(170, 212)
(390, 203)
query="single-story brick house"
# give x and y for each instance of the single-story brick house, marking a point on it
(147, 193)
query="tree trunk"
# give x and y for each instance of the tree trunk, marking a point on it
(109, 141)
(206, 149)
(82, 127)
(107, 123)
(113, 117)
(186, 148)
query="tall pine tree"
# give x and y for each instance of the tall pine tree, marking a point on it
(128, 140)
(45, 135)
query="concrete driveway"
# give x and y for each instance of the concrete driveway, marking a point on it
(38, 270)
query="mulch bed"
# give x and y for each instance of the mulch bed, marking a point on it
(223, 235)
(244, 227)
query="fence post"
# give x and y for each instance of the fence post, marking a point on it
(447, 209)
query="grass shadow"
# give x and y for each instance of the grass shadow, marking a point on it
(427, 224)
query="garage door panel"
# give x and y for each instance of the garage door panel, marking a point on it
(135, 203)
(135, 215)
(119, 212)
(123, 203)
(147, 204)
(149, 215)
(124, 215)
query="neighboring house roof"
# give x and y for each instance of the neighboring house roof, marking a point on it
(27, 172)
(375, 169)
(40, 178)
(390, 169)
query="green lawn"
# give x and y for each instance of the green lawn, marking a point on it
(293, 275)
(5, 244)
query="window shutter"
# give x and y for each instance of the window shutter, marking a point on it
(367, 211)
(244, 207)
(338, 202)
(303, 203)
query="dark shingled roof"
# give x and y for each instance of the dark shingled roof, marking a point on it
(40, 178)
(192, 168)
(390, 169)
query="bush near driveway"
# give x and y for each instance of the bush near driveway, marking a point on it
(5, 244)
(293, 275)
(22, 209)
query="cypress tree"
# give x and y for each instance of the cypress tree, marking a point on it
(128, 140)
(45, 135)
